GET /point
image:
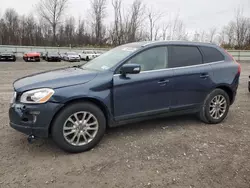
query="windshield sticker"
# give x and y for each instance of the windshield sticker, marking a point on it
(105, 67)
(129, 49)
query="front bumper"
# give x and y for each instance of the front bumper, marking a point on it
(54, 58)
(33, 119)
(7, 58)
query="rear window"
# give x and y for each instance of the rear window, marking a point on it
(211, 54)
(181, 56)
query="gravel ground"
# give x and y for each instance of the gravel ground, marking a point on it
(171, 152)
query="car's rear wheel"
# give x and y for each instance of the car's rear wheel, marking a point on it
(79, 127)
(215, 107)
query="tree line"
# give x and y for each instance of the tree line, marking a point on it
(137, 22)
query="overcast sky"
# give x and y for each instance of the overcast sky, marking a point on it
(196, 14)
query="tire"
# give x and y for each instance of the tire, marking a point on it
(57, 130)
(205, 114)
(87, 58)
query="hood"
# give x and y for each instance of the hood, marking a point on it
(54, 79)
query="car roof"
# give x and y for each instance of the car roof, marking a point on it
(169, 42)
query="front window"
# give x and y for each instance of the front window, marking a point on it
(151, 59)
(110, 58)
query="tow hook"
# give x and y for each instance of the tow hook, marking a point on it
(31, 138)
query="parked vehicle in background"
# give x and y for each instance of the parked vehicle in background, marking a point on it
(7, 56)
(71, 57)
(87, 55)
(132, 82)
(31, 56)
(53, 56)
(99, 52)
(43, 55)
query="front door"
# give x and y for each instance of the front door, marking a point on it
(146, 93)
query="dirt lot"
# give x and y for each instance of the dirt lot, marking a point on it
(173, 152)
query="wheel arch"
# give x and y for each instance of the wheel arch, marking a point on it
(92, 100)
(228, 90)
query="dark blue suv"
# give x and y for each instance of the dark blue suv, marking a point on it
(129, 83)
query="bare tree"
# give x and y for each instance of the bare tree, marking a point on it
(177, 30)
(196, 37)
(52, 11)
(116, 31)
(164, 31)
(222, 36)
(241, 29)
(98, 11)
(69, 30)
(211, 34)
(153, 17)
(81, 32)
(134, 21)
(11, 23)
(230, 32)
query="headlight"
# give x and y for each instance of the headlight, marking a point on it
(13, 98)
(37, 96)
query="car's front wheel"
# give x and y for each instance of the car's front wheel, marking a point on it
(79, 127)
(215, 107)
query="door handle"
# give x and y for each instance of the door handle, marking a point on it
(204, 75)
(163, 81)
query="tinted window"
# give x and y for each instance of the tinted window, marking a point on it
(211, 54)
(151, 59)
(181, 56)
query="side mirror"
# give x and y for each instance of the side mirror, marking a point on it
(130, 69)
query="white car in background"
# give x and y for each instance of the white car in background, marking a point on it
(87, 55)
(71, 57)
(99, 52)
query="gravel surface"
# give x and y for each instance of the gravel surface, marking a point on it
(171, 152)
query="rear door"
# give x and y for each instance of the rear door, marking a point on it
(191, 77)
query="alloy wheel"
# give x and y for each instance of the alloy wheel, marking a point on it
(80, 128)
(218, 106)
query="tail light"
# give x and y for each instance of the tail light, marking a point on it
(239, 66)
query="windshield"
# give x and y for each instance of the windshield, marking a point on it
(52, 53)
(89, 52)
(110, 58)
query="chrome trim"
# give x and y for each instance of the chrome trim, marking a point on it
(177, 67)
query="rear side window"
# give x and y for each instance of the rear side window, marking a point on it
(181, 56)
(211, 54)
